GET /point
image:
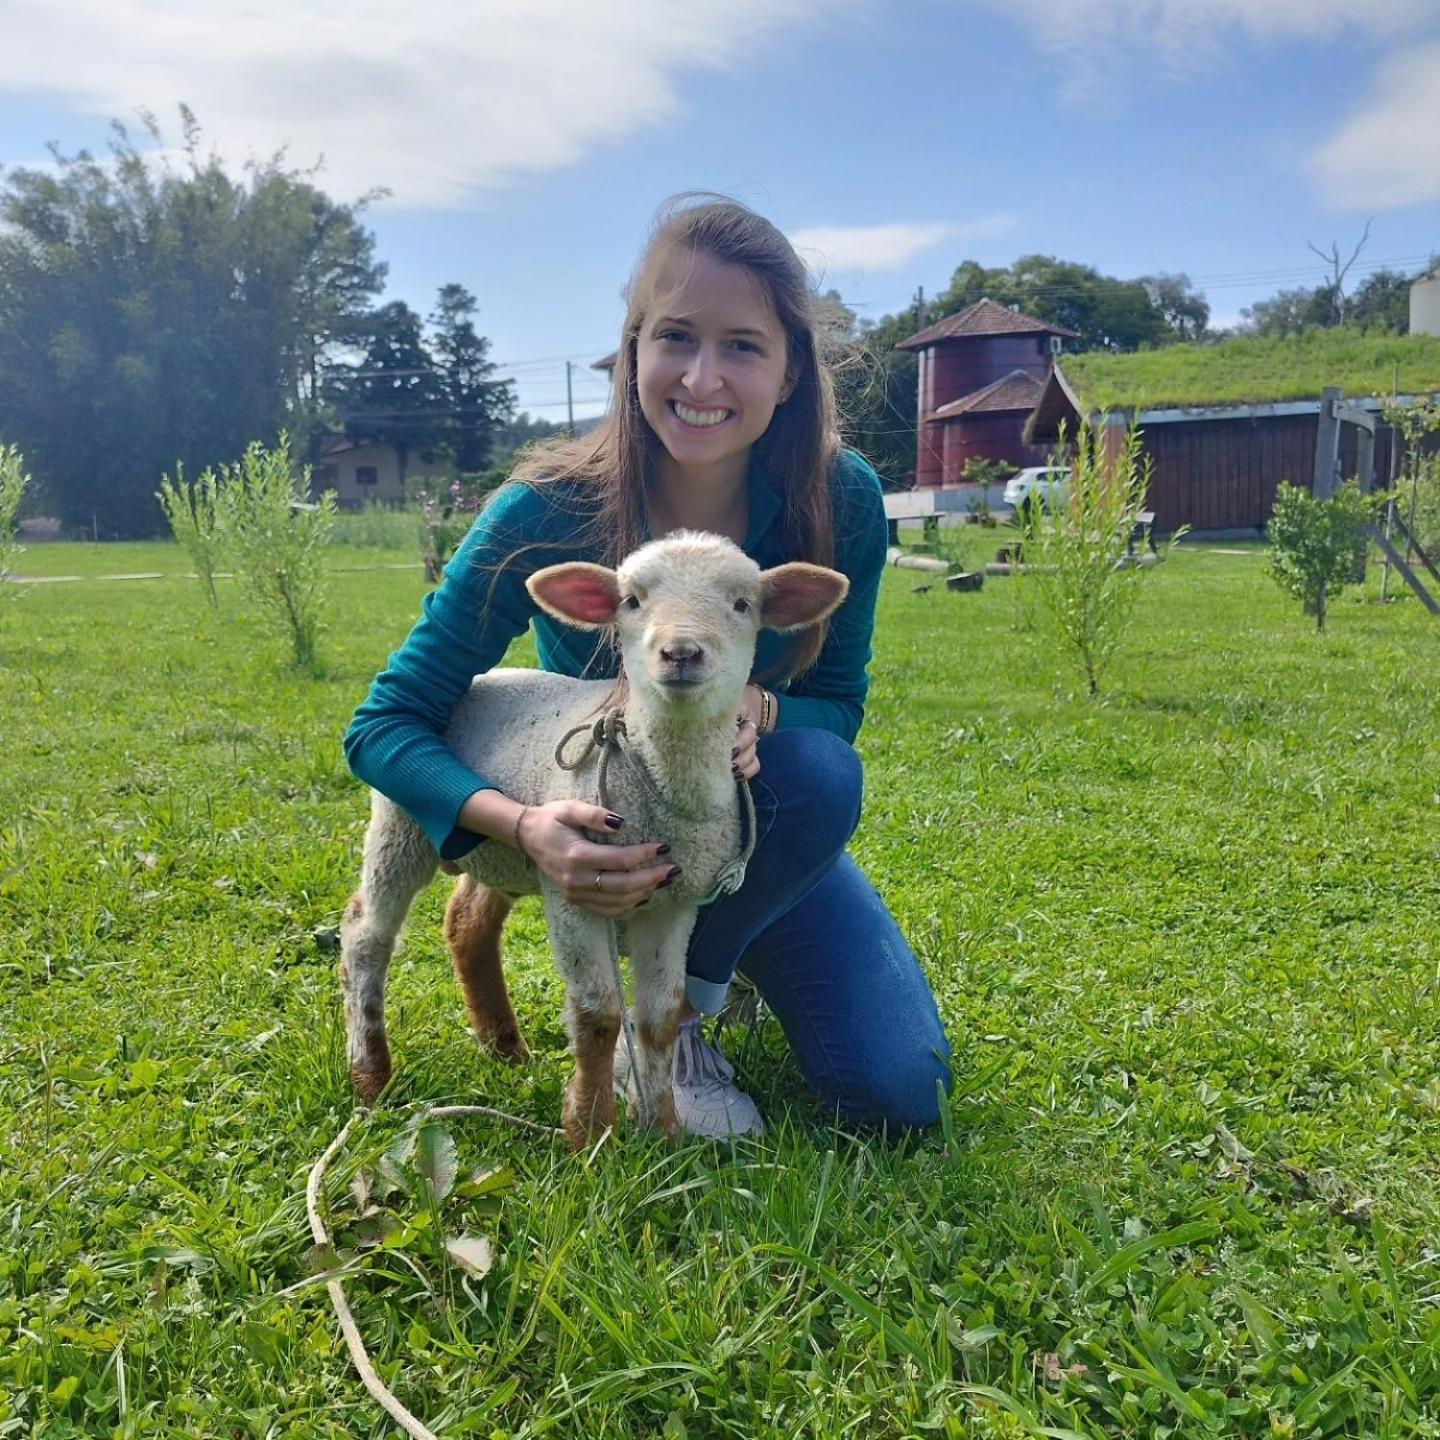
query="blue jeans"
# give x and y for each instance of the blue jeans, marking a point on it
(817, 941)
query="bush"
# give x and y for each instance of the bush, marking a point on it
(447, 510)
(1417, 486)
(193, 511)
(275, 538)
(1421, 506)
(1077, 556)
(13, 481)
(981, 471)
(1316, 544)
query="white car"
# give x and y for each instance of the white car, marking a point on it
(1040, 485)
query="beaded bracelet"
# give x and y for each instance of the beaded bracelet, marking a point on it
(766, 700)
(515, 833)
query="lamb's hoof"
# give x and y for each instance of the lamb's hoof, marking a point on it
(507, 1045)
(664, 1121)
(368, 1084)
(585, 1121)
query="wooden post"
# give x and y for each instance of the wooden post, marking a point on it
(1327, 446)
(1365, 459)
(1365, 478)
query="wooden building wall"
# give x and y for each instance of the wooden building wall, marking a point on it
(1223, 474)
(993, 436)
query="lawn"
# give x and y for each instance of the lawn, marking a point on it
(1185, 942)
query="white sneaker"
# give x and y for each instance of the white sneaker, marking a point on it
(707, 1101)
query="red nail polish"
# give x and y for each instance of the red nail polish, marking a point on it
(614, 821)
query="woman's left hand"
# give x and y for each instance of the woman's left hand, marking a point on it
(745, 764)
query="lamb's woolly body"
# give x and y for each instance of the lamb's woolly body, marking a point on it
(698, 591)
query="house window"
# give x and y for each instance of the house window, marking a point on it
(329, 477)
(366, 475)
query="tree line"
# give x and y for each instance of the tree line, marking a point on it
(876, 383)
(163, 313)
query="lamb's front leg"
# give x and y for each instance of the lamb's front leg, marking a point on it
(581, 944)
(658, 944)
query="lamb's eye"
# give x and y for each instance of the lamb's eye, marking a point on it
(742, 607)
(631, 602)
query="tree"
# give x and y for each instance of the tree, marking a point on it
(1382, 302)
(1179, 304)
(1077, 556)
(478, 405)
(1314, 543)
(875, 395)
(1336, 288)
(394, 393)
(161, 311)
(1290, 312)
(1107, 313)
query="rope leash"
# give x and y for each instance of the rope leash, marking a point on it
(359, 1356)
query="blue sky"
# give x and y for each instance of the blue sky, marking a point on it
(527, 143)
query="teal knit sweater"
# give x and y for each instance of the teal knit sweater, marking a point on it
(394, 742)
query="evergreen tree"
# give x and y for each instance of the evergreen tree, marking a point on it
(478, 405)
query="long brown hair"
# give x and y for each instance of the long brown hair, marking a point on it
(614, 462)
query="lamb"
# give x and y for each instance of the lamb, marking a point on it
(686, 611)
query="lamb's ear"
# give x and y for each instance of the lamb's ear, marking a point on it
(578, 594)
(796, 595)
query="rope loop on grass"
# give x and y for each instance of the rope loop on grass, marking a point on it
(360, 1357)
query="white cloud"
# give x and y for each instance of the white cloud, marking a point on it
(1388, 154)
(886, 247)
(432, 101)
(1088, 35)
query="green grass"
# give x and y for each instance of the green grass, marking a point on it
(1205, 907)
(1246, 371)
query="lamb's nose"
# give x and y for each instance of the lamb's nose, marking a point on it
(679, 651)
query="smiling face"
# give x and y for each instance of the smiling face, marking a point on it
(710, 362)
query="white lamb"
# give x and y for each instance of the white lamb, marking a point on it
(686, 611)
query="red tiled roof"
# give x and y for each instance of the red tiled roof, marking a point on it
(984, 317)
(1019, 390)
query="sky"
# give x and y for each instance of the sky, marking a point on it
(526, 144)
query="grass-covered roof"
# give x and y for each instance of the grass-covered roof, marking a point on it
(1256, 371)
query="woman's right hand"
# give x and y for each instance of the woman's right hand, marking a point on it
(605, 880)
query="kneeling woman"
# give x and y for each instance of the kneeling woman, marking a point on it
(723, 419)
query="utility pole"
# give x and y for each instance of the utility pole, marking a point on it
(919, 309)
(569, 399)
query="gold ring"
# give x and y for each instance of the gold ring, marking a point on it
(598, 874)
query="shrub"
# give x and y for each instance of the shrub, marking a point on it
(1077, 554)
(1315, 544)
(193, 511)
(275, 538)
(447, 510)
(1421, 506)
(13, 481)
(1417, 487)
(981, 471)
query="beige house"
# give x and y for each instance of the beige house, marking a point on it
(363, 471)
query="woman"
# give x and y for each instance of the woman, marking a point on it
(723, 419)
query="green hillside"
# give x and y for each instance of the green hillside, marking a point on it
(1252, 371)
